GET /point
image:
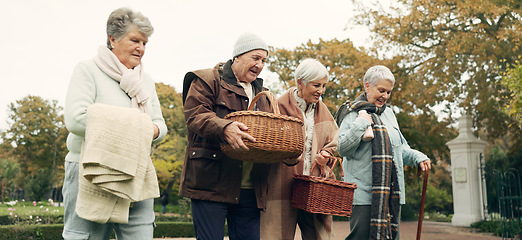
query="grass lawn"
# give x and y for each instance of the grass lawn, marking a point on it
(21, 212)
(48, 212)
(26, 211)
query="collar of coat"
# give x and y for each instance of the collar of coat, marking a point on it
(227, 75)
(288, 105)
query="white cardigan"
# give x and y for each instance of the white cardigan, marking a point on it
(89, 85)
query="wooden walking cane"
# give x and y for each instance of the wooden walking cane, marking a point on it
(421, 213)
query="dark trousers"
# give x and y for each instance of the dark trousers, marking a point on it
(242, 219)
(305, 220)
(360, 223)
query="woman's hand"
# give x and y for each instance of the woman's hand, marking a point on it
(366, 116)
(425, 165)
(234, 135)
(156, 131)
(322, 158)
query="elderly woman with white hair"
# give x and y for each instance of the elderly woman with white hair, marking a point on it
(112, 83)
(279, 220)
(375, 163)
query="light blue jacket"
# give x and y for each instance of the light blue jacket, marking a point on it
(357, 162)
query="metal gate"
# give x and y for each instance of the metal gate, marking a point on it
(509, 203)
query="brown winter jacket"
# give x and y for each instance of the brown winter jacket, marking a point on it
(208, 174)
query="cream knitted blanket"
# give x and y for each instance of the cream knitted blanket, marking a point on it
(115, 165)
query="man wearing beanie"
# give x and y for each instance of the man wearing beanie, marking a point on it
(221, 187)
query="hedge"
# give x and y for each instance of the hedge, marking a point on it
(54, 231)
(43, 232)
(174, 229)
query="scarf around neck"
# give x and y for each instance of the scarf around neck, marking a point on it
(309, 122)
(385, 203)
(130, 79)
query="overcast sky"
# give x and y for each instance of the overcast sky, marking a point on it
(42, 40)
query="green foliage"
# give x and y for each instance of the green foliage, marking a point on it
(488, 226)
(38, 184)
(346, 66)
(30, 213)
(174, 229)
(453, 53)
(499, 228)
(411, 213)
(54, 231)
(172, 108)
(439, 199)
(169, 217)
(497, 159)
(178, 209)
(512, 80)
(40, 232)
(36, 135)
(169, 154)
(9, 169)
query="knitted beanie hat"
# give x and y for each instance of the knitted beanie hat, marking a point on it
(247, 42)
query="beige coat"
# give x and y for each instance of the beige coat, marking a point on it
(279, 220)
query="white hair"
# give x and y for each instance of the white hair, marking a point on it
(377, 73)
(121, 19)
(310, 70)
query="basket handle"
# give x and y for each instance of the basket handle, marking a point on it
(271, 99)
(335, 159)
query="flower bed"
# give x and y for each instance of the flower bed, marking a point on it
(30, 213)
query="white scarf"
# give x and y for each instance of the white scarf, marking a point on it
(309, 120)
(130, 79)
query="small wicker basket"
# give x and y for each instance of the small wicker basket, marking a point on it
(323, 195)
(278, 137)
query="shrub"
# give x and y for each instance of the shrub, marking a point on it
(42, 232)
(38, 184)
(54, 231)
(499, 228)
(170, 218)
(174, 229)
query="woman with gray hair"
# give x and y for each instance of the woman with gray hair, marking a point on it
(112, 83)
(375, 163)
(279, 220)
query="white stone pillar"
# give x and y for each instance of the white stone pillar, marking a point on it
(465, 170)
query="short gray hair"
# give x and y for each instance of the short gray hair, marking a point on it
(310, 70)
(121, 19)
(377, 73)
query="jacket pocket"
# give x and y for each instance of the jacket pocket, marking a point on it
(229, 102)
(203, 169)
(395, 137)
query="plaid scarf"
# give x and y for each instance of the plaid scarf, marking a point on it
(385, 206)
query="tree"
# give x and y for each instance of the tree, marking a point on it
(169, 154)
(453, 53)
(38, 184)
(512, 80)
(346, 66)
(8, 172)
(497, 160)
(36, 134)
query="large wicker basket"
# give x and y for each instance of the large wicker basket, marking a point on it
(278, 137)
(323, 195)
